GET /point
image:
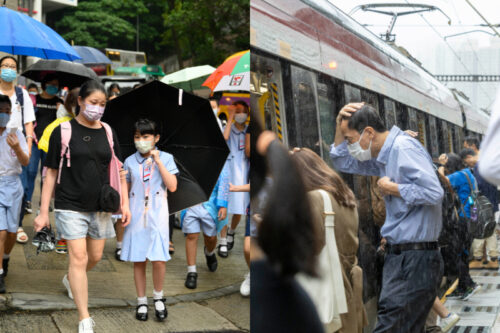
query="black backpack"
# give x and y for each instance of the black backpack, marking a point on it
(450, 229)
(482, 224)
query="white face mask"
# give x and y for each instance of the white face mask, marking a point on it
(359, 153)
(144, 146)
(240, 118)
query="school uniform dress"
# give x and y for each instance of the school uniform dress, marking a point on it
(147, 235)
(11, 188)
(239, 166)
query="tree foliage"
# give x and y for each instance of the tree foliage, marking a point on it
(202, 31)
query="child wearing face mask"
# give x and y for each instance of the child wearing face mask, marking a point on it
(13, 155)
(150, 174)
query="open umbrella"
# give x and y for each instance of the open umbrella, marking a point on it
(91, 56)
(24, 35)
(189, 78)
(70, 74)
(188, 130)
(236, 64)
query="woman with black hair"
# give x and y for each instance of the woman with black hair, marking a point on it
(81, 176)
(461, 180)
(288, 240)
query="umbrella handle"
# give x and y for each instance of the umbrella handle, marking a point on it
(180, 96)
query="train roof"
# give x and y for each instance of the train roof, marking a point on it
(316, 34)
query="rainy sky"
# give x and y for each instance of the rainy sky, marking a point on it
(423, 36)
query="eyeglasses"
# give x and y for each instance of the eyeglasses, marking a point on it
(14, 67)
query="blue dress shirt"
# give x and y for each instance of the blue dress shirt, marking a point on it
(416, 215)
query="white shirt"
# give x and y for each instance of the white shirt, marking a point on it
(9, 164)
(16, 117)
(489, 159)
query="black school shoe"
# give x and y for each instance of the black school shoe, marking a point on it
(211, 262)
(118, 253)
(230, 244)
(222, 253)
(140, 315)
(2, 285)
(161, 315)
(5, 265)
(191, 279)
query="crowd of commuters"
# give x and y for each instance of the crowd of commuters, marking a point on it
(84, 181)
(426, 239)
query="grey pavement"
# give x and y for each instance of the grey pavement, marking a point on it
(36, 300)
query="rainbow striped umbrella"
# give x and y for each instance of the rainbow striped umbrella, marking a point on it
(233, 74)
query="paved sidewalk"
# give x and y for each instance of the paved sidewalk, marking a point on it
(34, 281)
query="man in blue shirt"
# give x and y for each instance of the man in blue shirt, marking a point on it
(470, 158)
(412, 193)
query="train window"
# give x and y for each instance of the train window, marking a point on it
(433, 137)
(458, 138)
(402, 116)
(328, 109)
(444, 145)
(370, 98)
(305, 111)
(412, 120)
(266, 92)
(422, 135)
(389, 113)
(352, 94)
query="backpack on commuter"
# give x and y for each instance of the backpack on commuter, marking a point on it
(449, 235)
(482, 217)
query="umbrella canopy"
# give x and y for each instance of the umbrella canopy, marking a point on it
(190, 78)
(234, 82)
(24, 35)
(70, 74)
(189, 132)
(91, 56)
(235, 64)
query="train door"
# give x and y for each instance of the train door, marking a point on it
(266, 92)
(305, 111)
(444, 145)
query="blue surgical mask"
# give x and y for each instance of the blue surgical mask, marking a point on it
(4, 119)
(51, 90)
(8, 74)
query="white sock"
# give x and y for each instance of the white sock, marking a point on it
(192, 269)
(159, 306)
(1, 271)
(209, 253)
(223, 241)
(6, 256)
(119, 245)
(140, 301)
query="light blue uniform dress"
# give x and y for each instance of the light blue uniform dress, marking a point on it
(239, 167)
(147, 235)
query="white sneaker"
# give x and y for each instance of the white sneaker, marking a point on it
(65, 282)
(245, 286)
(447, 323)
(86, 325)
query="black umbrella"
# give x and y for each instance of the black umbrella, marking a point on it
(189, 132)
(70, 74)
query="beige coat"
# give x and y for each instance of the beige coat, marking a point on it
(346, 235)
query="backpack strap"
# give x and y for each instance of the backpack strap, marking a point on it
(20, 99)
(472, 191)
(328, 210)
(65, 152)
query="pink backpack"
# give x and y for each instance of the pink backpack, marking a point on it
(114, 166)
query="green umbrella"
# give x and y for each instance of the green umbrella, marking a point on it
(189, 78)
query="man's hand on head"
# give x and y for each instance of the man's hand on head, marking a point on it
(348, 110)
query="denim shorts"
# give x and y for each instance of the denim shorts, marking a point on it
(77, 225)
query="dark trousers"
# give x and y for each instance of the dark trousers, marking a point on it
(409, 288)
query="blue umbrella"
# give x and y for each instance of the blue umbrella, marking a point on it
(90, 55)
(21, 34)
